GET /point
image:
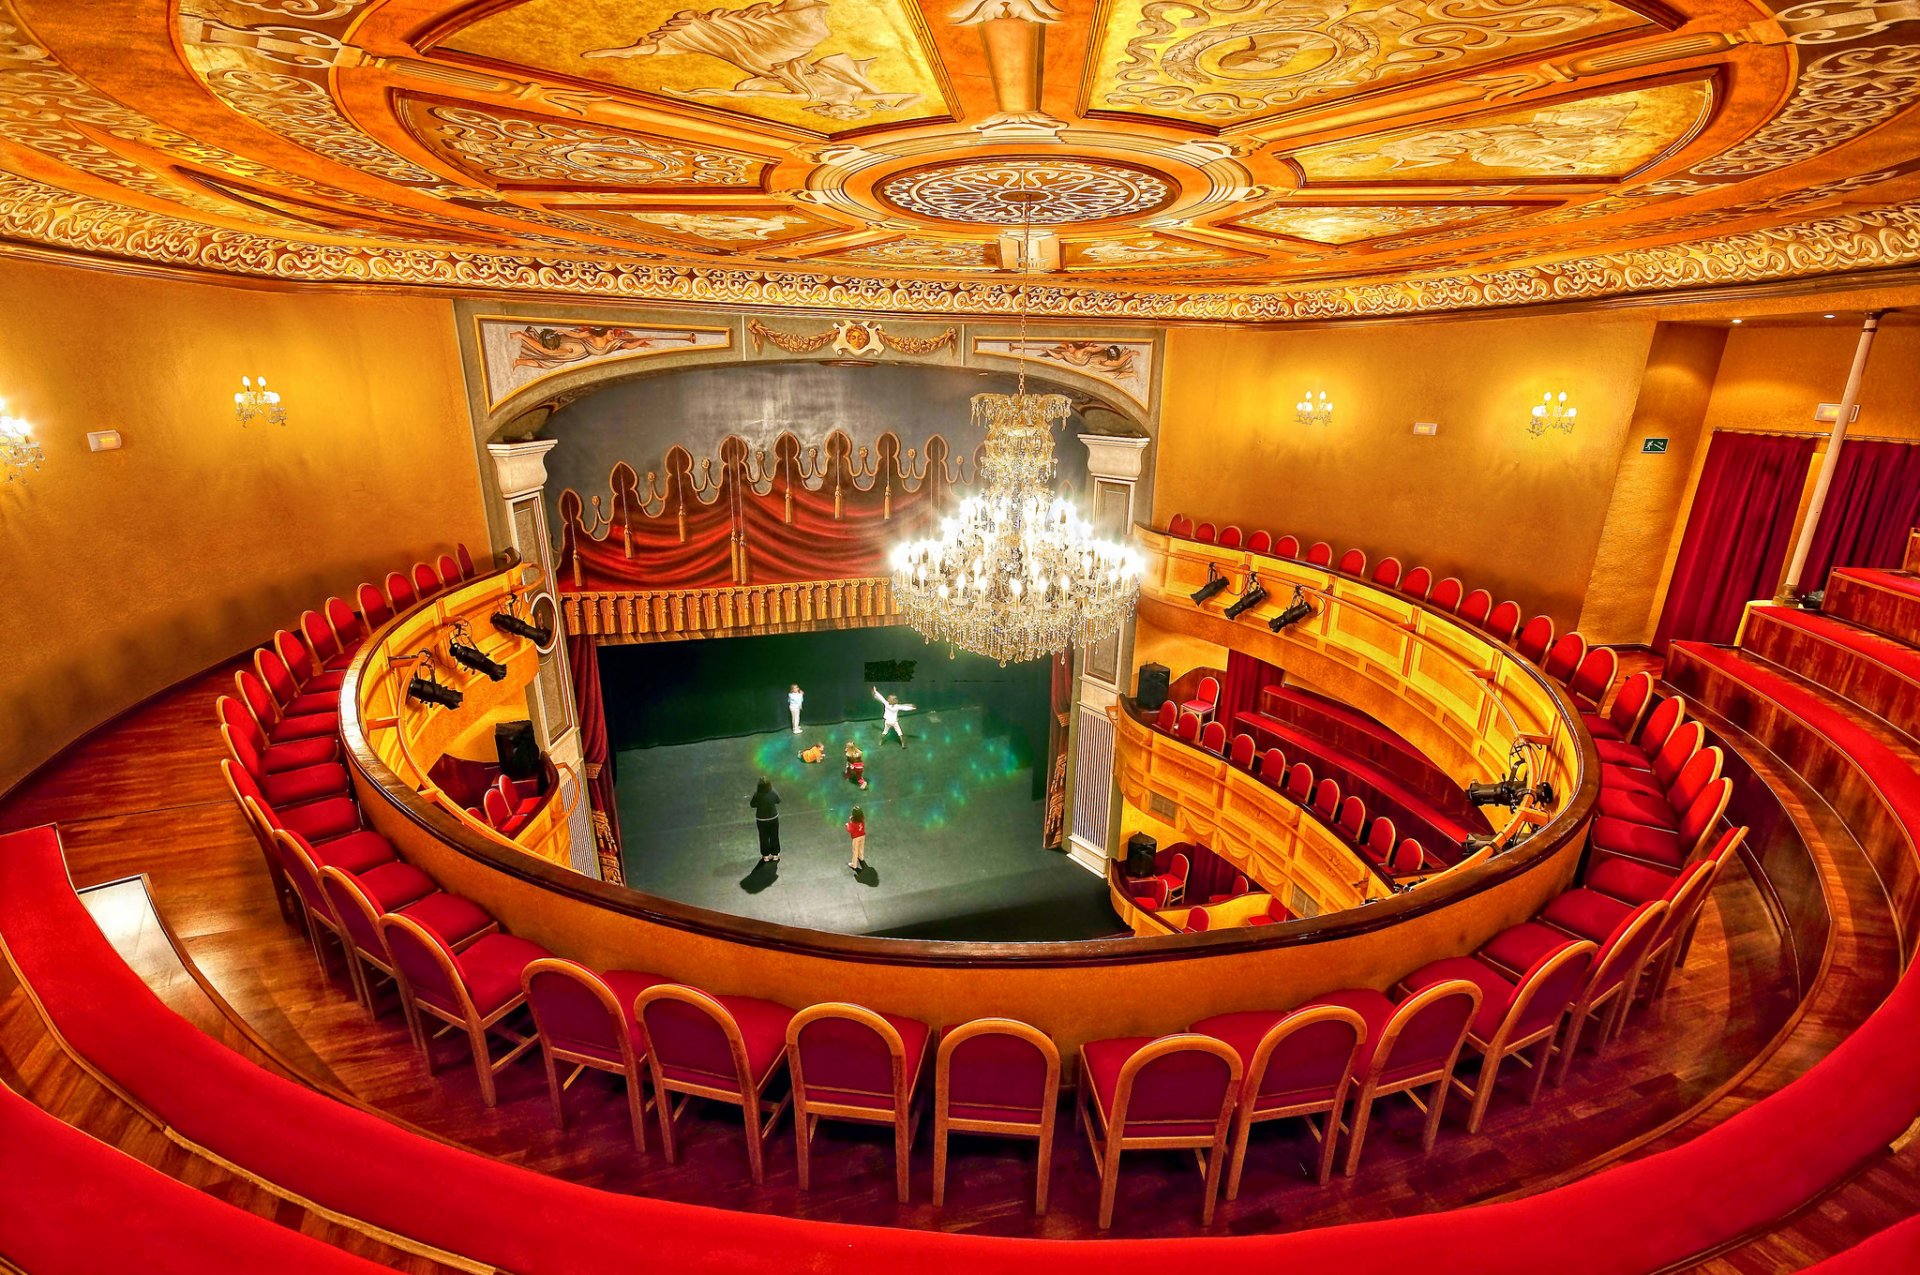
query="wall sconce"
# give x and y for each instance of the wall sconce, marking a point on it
(1551, 413)
(18, 450)
(1314, 411)
(257, 403)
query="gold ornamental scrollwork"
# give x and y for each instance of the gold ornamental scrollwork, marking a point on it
(853, 337)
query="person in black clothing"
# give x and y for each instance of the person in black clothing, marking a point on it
(766, 818)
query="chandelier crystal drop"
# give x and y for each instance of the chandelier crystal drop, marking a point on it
(19, 451)
(1016, 573)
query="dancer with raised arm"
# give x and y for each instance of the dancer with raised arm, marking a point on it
(892, 707)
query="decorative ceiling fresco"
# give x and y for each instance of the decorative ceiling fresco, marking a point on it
(1246, 160)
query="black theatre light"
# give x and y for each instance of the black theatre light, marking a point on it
(1514, 789)
(1256, 594)
(1297, 610)
(507, 622)
(460, 646)
(426, 688)
(1475, 843)
(1215, 583)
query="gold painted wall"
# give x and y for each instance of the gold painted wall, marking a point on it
(1482, 500)
(129, 570)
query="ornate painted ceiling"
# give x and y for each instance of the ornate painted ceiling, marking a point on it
(1231, 159)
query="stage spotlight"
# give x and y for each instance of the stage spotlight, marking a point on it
(460, 646)
(1474, 844)
(1215, 583)
(507, 622)
(1297, 610)
(1256, 594)
(426, 688)
(1509, 792)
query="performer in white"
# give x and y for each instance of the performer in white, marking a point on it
(795, 698)
(892, 707)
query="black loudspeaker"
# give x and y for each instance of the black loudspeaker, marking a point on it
(518, 749)
(1140, 852)
(1154, 680)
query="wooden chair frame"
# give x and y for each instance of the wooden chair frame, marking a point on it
(899, 1111)
(1372, 1086)
(293, 908)
(1249, 1112)
(945, 1122)
(751, 1100)
(485, 1066)
(552, 1055)
(1505, 1044)
(361, 964)
(320, 922)
(1669, 950)
(1108, 1146)
(1628, 955)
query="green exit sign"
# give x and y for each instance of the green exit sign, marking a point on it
(1653, 446)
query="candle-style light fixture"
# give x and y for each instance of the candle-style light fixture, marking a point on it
(255, 402)
(1314, 409)
(19, 451)
(1552, 412)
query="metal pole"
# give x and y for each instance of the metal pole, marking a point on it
(1841, 420)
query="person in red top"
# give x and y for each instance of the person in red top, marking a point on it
(857, 829)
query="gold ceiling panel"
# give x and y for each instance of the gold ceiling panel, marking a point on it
(1337, 225)
(1144, 251)
(713, 228)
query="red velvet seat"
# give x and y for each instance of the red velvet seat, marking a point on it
(1167, 717)
(1662, 847)
(1476, 607)
(1647, 743)
(1276, 913)
(1198, 921)
(1504, 621)
(278, 727)
(1170, 1093)
(1230, 537)
(400, 592)
(467, 569)
(1287, 546)
(1293, 1064)
(1686, 742)
(306, 669)
(1593, 680)
(1320, 554)
(1624, 715)
(1187, 728)
(1213, 738)
(1260, 541)
(1387, 573)
(1407, 858)
(1206, 699)
(374, 608)
(1351, 821)
(1587, 912)
(323, 642)
(586, 1019)
(1534, 638)
(1380, 840)
(1446, 595)
(1180, 525)
(1565, 658)
(1354, 563)
(1685, 901)
(1299, 787)
(1273, 767)
(1635, 805)
(1165, 889)
(308, 783)
(448, 569)
(1410, 1046)
(475, 990)
(349, 628)
(853, 1063)
(1326, 799)
(426, 581)
(274, 758)
(726, 1048)
(995, 1076)
(1206, 533)
(1240, 752)
(457, 922)
(1417, 582)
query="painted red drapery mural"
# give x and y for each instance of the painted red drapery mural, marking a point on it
(777, 515)
(583, 656)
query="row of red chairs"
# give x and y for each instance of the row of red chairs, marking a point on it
(1346, 816)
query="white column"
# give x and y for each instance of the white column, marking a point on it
(520, 469)
(1841, 419)
(1114, 466)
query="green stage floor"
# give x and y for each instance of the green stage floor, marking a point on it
(953, 835)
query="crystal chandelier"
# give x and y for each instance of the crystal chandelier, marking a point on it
(1016, 573)
(19, 452)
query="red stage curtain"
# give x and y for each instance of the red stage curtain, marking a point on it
(1872, 505)
(1737, 535)
(1246, 678)
(584, 656)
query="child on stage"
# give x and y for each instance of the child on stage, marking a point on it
(795, 698)
(857, 829)
(856, 765)
(891, 706)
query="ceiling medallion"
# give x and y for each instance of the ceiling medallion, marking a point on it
(1039, 192)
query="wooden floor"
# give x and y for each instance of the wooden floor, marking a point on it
(144, 795)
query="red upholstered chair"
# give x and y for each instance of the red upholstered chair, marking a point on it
(426, 581)
(1504, 621)
(727, 1048)
(1197, 922)
(1180, 525)
(1351, 821)
(323, 642)
(286, 692)
(1276, 912)
(1407, 858)
(400, 591)
(1593, 680)
(1287, 546)
(1627, 712)
(1380, 840)
(1417, 583)
(475, 991)
(1188, 728)
(1294, 1064)
(286, 788)
(456, 921)
(1664, 809)
(1476, 607)
(1387, 574)
(1260, 541)
(1174, 1093)
(1354, 563)
(850, 1063)
(1240, 752)
(1213, 738)
(1514, 1015)
(1206, 700)
(467, 570)
(298, 656)
(1273, 767)
(1653, 736)
(1167, 717)
(497, 811)
(1687, 739)
(1617, 964)
(519, 806)
(1320, 554)
(290, 860)
(349, 630)
(997, 1076)
(1300, 783)
(1206, 533)
(295, 754)
(1668, 848)
(375, 610)
(585, 1019)
(1326, 799)
(1241, 885)
(1170, 887)
(1409, 1046)
(447, 567)
(1564, 658)
(1535, 638)
(1230, 537)
(330, 826)
(1686, 900)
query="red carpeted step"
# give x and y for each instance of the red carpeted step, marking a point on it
(1886, 601)
(1872, 670)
